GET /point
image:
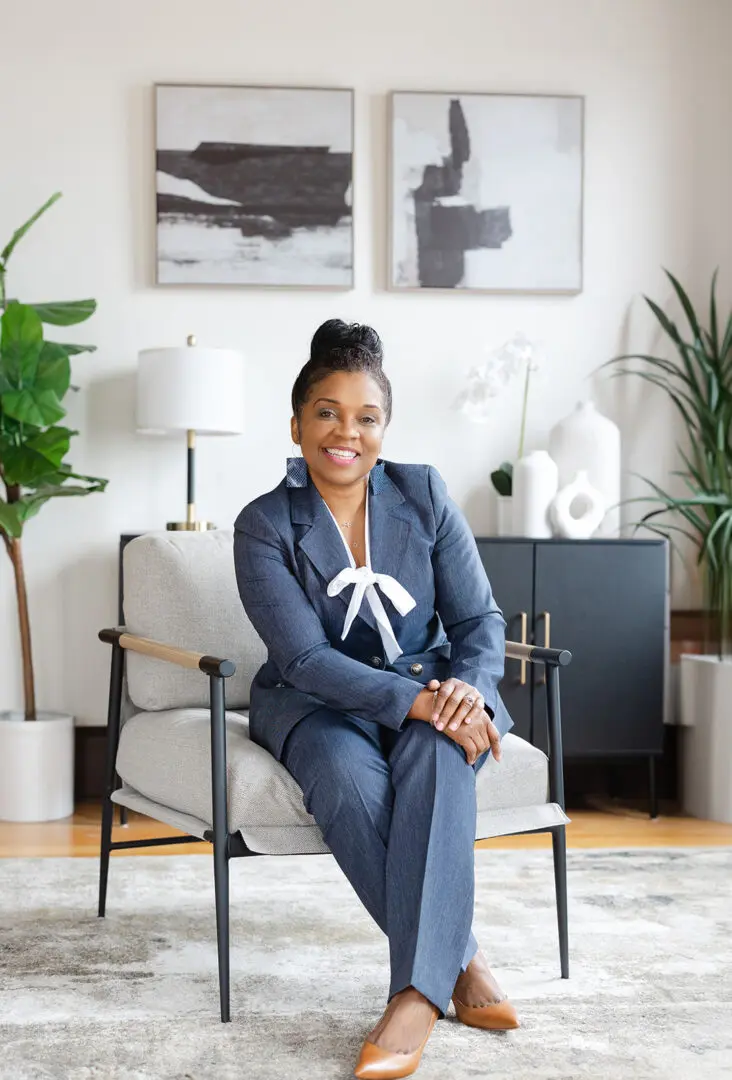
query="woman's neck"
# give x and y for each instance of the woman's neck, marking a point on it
(344, 503)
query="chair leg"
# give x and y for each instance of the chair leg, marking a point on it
(107, 819)
(221, 885)
(113, 722)
(220, 837)
(559, 848)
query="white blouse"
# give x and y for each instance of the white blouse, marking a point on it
(364, 581)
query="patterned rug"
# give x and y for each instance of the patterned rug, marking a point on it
(135, 996)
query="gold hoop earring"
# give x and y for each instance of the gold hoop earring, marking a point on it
(296, 451)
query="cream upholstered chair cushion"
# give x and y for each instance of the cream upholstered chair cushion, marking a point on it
(180, 589)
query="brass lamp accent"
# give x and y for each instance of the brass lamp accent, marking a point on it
(196, 390)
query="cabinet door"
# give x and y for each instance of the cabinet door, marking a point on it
(606, 603)
(509, 565)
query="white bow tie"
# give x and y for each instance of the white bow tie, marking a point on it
(363, 579)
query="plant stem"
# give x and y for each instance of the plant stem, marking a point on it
(523, 411)
(16, 558)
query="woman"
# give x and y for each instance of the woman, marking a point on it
(379, 692)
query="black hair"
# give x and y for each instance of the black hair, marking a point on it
(341, 346)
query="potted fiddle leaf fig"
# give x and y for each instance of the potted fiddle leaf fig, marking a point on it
(698, 380)
(36, 748)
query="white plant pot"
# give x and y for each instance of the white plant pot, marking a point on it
(36, 767)
(504, 515)
(706, 746)
(535, 481)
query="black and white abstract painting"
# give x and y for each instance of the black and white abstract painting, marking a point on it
(486, 192)
(254, 186)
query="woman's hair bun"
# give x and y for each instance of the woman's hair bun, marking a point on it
(337, 336)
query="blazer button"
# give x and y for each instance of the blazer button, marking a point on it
(376, 661)
(416, 669)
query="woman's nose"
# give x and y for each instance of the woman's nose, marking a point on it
(348, 427)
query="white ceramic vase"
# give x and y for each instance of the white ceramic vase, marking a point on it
(706, 746)
(587, 440)
(504, 515)
(36, 767)
(578, 509)
(535, 482)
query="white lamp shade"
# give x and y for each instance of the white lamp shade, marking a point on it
(190, 389)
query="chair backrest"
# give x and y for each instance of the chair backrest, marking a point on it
(180, 589)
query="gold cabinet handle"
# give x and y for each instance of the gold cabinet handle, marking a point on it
(524, 641)
(547, 617)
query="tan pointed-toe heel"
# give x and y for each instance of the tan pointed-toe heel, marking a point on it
(499, 1017)
(376, 1063)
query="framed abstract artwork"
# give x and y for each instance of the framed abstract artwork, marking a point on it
(254, 186)
(486, 192)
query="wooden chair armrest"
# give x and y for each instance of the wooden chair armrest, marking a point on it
(210, 665)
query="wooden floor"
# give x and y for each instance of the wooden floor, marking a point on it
(607, 827)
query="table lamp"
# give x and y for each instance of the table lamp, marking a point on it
(190, 390)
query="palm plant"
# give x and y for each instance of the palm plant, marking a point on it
(34, 377)
(698, 380)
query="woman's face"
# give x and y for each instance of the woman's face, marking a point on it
(344, 412)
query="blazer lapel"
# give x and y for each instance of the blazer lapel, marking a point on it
(389, 516)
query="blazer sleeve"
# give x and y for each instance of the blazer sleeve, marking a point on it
(474, 625)
(289, 625)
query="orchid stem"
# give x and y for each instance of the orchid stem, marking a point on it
(523, 412)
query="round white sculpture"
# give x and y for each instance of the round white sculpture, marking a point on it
(578, 509)
(535, 482)
(587, 440)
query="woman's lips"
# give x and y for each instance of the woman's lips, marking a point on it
(338, 460)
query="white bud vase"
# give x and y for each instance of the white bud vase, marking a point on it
(504, 515)
(535, 482)
(578, 509)
(587, 440)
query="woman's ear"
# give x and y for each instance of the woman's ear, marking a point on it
(294, 433)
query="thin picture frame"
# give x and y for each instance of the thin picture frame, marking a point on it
(395, 286)
(266, 285)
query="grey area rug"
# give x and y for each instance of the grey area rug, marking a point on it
(135, 996)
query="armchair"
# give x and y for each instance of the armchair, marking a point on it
(182, 749)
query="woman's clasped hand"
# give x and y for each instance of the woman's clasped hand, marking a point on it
(458, 712)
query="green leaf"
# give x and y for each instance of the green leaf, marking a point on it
(503, 479)
(66, 312)
(9, 521)
(39, 408)
(20, 344)
(74, 350)
(54, 369)
(20, 233)
(686, 305)
(52, 491)
(713, 323)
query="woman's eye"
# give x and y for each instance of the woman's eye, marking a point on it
(370, 419)
(325, 412)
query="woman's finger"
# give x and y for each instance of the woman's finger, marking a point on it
(441, 697)
(471, 751)
(469, 711)
(495, 740)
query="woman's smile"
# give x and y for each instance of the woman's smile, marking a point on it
(341, 455)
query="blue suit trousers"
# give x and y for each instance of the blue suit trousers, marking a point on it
(398, 811)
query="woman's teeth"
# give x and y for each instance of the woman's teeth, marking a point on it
(349, 455)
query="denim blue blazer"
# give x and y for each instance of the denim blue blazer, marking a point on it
(287, 548)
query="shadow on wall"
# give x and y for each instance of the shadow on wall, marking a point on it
(88, 602)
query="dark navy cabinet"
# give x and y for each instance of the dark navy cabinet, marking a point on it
(606, 601)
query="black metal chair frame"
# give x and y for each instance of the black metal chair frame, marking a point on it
(227, 845)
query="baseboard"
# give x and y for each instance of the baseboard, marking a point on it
(90, 744)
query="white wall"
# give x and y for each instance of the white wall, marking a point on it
(76, 85)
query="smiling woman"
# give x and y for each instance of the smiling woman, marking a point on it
(379, 694)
